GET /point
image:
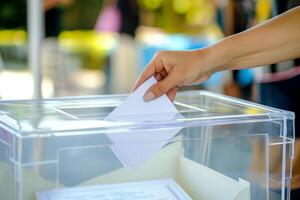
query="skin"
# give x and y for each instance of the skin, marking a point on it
(49, 4)
(273, 41)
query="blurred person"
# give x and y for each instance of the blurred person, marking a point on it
(53, 14)
(273, 41)
(279, 85)
(239, 16)
(220, 7)
(125, 57)
(119, 16)
(109, 19)
(129, 10)
(52, 57)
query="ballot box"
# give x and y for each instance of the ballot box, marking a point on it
(215, 147)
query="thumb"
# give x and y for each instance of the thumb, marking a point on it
(160, 88)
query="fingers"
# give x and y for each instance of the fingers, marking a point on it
(154, 67)
(161, 75)
(172, 93)
(149, 71)
(162, 87)
(158, 77)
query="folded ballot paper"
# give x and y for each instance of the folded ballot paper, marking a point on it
(136, 146)
(164, 189)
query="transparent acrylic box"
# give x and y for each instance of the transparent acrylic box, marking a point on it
(226, 148)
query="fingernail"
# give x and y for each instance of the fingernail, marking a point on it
(149, 96)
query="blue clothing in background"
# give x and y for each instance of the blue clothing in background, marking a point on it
(284, 95)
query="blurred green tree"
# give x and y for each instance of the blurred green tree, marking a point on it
(187, 16)
(13, 14)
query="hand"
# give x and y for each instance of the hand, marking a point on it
(174, 69)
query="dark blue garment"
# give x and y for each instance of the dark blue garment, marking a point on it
(244, 13)
(284, 95)
(129, 10)
(279, 7)
(295, 194)
(53, 19)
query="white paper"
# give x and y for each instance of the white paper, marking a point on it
(134, 108)
(164, 189)
(137, 146)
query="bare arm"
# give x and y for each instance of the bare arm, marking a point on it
(275, 40)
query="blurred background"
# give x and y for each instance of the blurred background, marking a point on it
(90, 47)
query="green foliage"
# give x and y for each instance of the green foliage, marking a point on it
(187, 16)
(151, 4)
(12, 14)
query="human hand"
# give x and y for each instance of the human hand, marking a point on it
(250, 48)
(174, 69)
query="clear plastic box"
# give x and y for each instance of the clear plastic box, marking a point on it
(226, 148)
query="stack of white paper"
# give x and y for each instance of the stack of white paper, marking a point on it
(165, 189)
(136, 146)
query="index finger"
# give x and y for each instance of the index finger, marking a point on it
(148, 72)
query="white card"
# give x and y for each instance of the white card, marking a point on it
(164, 189)
(134, 108)
(137, 146)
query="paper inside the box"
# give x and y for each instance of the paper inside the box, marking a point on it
(166, 189)
(133, 147)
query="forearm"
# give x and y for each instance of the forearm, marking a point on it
(273, 41)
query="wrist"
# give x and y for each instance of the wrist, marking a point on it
(212, 58)
(222, 54)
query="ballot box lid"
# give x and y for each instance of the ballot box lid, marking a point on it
(71, 115)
